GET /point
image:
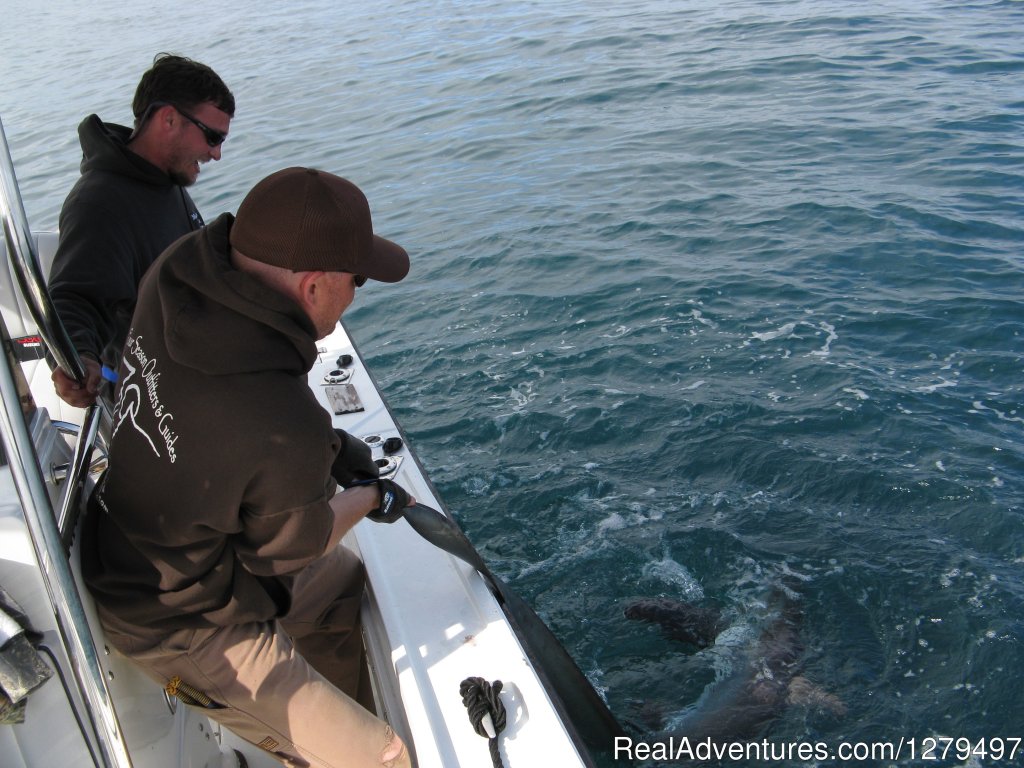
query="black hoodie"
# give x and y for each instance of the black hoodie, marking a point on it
(220, 459)
(121, 214)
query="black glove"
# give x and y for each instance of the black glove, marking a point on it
(354, 461)
(393, 501)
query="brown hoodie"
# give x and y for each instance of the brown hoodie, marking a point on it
(220, 458)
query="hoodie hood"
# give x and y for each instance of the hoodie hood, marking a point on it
(221, 321)
(105, 148)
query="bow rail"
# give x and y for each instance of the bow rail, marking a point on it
(47, 531)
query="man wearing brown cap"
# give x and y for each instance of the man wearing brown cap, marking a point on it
(211, 545)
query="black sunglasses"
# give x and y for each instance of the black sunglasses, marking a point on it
(359, 280)
(213, 137)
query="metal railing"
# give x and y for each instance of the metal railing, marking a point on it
(45, 532)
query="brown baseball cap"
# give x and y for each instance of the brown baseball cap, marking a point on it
(307, 220)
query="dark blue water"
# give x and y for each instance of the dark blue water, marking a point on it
(706, 297)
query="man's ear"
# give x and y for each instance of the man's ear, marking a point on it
(310, 288)
(163, 118)
(157, 128)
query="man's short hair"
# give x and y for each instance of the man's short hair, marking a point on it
(182, 82)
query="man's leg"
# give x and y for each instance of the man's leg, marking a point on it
(324, 622)
(271, 696)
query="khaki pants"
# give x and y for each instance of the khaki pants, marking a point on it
(291, 686)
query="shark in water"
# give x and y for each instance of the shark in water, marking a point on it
(763, 667)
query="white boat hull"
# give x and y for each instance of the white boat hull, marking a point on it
(433, 618)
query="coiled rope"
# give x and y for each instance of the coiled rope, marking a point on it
(486, 712)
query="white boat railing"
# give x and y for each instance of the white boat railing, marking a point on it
(48, 540)
(26, 268)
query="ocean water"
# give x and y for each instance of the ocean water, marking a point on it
(706, 297)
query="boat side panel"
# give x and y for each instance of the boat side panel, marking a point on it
(441, 620)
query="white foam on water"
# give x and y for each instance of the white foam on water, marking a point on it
(931, 388)
(614, 522)
(1001, 415)
(785, 331)
(697, 315)
(825, 351)
(684, 584)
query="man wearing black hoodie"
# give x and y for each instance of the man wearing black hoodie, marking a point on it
(211, 545)
(129, 204)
